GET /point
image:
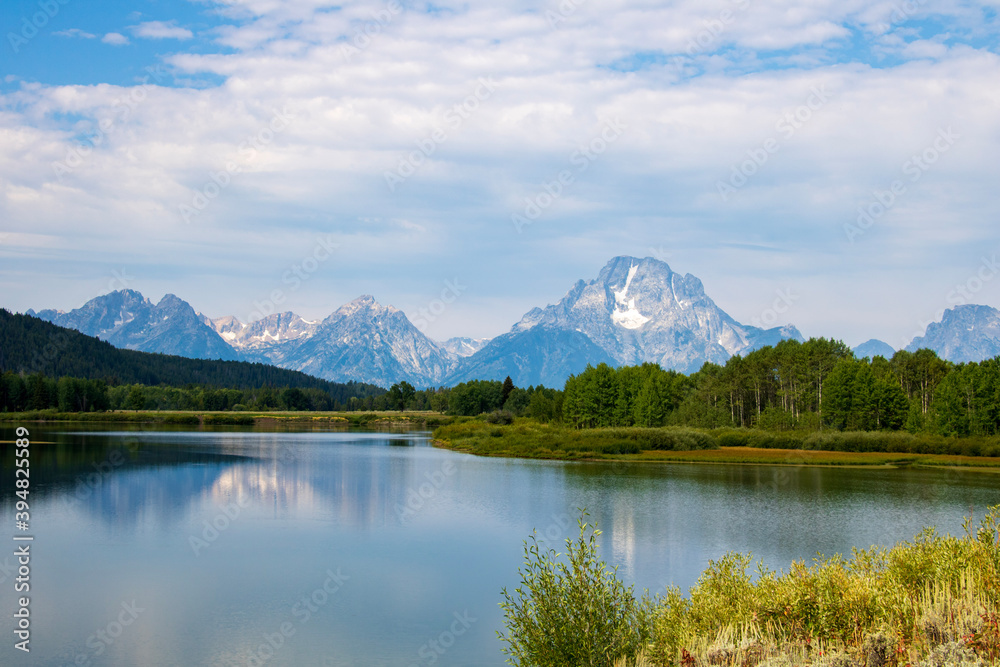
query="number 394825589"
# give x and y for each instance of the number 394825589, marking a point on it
(22, 470)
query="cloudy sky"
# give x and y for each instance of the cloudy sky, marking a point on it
(829, 163)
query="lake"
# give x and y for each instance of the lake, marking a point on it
(242, 547)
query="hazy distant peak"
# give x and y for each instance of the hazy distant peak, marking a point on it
(874, 348)
(462, 346)
(969, 332)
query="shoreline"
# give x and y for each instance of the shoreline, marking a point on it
(790, 458)
(229, 418)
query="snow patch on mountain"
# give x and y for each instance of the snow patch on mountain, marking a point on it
(625, 313)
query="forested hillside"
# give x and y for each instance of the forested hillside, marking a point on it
(36, 353)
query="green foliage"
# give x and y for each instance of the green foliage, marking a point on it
(602, 397)
(572, 610)
(500, 417)
(475, 398)
(796, 388)
(293, 399)
(508, 386)
(526, 438)
(857, 400)
(400, 395)
(136, 399)
(545, 405)
(67, 395)
(931, 602)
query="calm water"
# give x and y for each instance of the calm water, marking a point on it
(250, 548)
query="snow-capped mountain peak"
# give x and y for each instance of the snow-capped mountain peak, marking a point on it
(636, 310)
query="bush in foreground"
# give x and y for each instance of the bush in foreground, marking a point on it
(927, 603)
(572, 612)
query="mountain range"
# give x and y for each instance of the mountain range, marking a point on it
(635, 311)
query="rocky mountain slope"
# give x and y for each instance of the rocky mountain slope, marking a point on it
(127, 319)
(965, 333)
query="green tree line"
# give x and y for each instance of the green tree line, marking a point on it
(478, 397)
(67, 394)
(818, 384)
(796, 386)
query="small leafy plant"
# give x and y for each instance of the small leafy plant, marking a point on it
(571, 610)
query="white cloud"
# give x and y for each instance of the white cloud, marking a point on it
(161, 30)
(360, 111)
(115, 39)
(75, 32)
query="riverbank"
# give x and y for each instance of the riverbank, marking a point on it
(228, 418)
(527, 439)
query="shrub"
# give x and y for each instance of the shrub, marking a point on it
(572, 612)
(952, 654)
(362, 418)
(180, 419)
(505, 417)
(229, 419)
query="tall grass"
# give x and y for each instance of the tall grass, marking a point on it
(929, 602)
(495, 435)
(531, 439)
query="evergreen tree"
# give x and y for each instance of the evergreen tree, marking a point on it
(508, 386)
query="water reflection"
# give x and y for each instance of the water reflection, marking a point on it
(423, 534)
(162, 477)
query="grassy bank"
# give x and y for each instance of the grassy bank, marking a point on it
(198, 418)
(529, 439)
(930, 602)
(899, 442)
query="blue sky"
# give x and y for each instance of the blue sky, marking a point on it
(294, 154)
